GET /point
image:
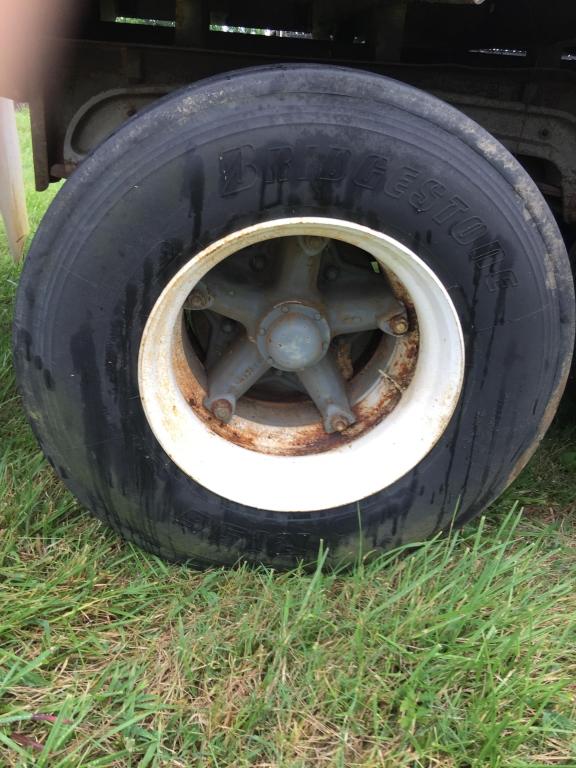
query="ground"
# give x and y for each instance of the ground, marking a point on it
(458, 653)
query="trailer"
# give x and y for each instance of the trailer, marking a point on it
(307, 284)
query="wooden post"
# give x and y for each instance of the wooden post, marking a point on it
(12, 196)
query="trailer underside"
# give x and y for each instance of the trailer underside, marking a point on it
(511, 66)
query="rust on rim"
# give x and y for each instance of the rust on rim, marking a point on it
(287, 438)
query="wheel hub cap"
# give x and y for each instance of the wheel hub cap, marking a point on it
(293, 337)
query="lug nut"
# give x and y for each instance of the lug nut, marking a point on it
(339, 423)
(197, 300)
(399, 325)
(223, 410)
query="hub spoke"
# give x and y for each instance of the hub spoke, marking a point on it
(222, 334)
(327, 388)
(238, 302)
(301, 257)
(233, 375)
(360, 309)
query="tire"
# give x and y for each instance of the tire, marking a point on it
(267, 145)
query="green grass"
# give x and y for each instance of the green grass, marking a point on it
(461, 654)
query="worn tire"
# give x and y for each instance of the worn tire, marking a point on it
(151, 195)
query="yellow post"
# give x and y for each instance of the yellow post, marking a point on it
(12, 196)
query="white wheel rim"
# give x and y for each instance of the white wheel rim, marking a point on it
(350, 472)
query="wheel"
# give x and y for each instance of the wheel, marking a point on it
(293, 307)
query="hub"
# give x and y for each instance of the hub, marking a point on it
(293, 336)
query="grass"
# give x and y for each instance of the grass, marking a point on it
(462, 654)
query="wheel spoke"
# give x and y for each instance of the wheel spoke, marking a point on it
(233, 375)
(223, 333)
(327, 388)
(238, 302)
(360, 309)
(301, 257)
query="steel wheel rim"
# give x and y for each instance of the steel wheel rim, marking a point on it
(346, 471)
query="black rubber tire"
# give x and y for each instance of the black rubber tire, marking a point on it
(361, 147)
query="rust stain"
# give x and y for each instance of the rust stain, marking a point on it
(310, 438)
(344, 359)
